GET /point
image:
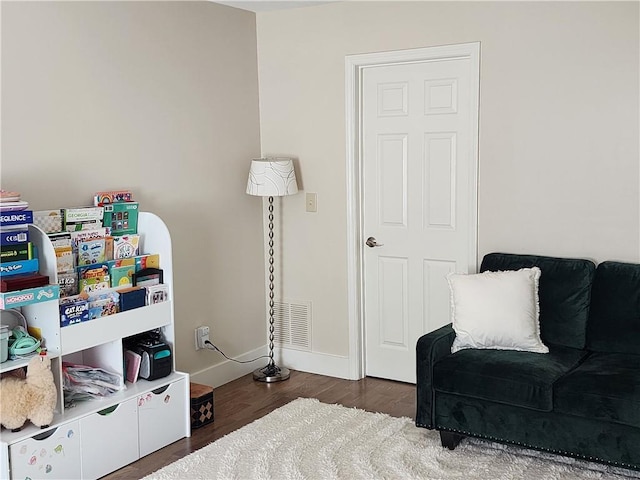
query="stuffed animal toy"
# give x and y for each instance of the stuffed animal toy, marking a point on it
(32, 398)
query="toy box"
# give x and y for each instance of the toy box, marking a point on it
(50, 221)
(28, 296)
(9, 219)
(201, 404)
(14, 236)
(82, 218)
(73, 310)
(15, 268)
(16, 253)
(20, 282)
(121, 217)
(132, 297)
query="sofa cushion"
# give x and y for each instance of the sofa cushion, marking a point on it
(523, 379)
(605, 387)
(614, 318)
(496, 310)
(565, 293)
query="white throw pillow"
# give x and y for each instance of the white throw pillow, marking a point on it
(498, 310)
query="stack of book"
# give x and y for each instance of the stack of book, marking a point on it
(18, 256)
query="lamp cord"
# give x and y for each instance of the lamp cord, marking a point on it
(216, 349)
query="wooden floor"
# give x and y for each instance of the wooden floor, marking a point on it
(242, 401)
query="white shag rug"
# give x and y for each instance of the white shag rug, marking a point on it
(307, 439)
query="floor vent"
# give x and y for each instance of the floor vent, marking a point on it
(292, 324)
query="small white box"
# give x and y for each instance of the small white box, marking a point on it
(54, 454)
(109, 439)
(161, 416)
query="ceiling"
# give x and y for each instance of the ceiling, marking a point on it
(269, 5)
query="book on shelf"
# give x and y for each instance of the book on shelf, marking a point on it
(10, 219)
(18, 252)
(91, 251)
(82, 218)
(126, 246)
(112, 196)
(14, 235)
(122, 276)
(93, 277)
(65, 259)
(132, 365)
(16, 268)
(13, 283)
(68, 282)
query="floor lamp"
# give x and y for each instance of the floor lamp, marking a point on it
(271, 177)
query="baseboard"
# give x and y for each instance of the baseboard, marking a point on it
(313, 362)
(228, 371)
(310, 362)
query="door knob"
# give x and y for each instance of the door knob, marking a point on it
(372, 242)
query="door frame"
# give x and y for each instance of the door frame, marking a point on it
(354, 69)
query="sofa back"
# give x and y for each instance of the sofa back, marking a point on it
(564, 292)
(614, 319)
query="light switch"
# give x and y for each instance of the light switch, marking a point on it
(312, 202)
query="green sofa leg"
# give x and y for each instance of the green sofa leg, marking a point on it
(450, 439)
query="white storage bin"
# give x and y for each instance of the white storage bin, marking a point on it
(109, 439)
(54, 454)
(161, 418)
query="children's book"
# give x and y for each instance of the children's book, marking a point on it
(64, 259)
(104, 198)
(77, 237)
(93, 277)
(122, 276)
(68, 283)
(132, 365)
(125, 246)
(147, 261)
(91, 251)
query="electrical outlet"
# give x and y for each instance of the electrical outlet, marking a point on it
(202, 335)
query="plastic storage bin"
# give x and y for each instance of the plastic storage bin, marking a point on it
(54, 455)
(4, 343)
(160, 418)
(109, 439)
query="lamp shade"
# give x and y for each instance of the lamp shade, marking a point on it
(272, 177)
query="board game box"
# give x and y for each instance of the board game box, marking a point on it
(121, 217)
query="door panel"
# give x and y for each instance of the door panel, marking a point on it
(418, 202)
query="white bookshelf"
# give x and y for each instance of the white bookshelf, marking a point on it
(162, 405)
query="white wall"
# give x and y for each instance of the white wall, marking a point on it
(559, 161)
(160, 98)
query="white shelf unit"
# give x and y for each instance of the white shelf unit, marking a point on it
(111, 432)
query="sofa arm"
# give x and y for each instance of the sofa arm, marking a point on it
(430, 348)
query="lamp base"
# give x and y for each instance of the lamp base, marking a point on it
(270, 374)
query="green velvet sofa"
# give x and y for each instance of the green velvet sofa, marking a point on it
(582, 399)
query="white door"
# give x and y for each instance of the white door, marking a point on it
(419, 202)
